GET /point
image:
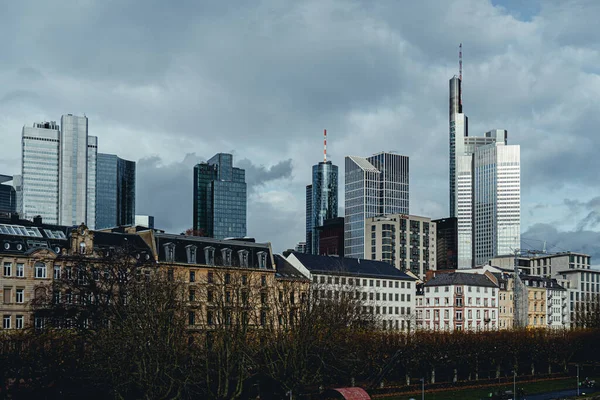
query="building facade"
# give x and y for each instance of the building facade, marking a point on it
(446, 243)
(497, 199)
(331, 237)
(8, 195)
(115, 185)
(219, 198)
(407, 242)
(145, 221)
(77, 172)
(378, 288)
(40, 147)
(543, 264)
(457, 301)
(465, 184)
(376, 185)
(323, 204)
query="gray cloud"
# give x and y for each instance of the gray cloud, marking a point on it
(264, 78)
(584, 241)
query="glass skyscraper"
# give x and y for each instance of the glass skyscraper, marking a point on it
(376, 185)
(321, 202)
(115, 191)
(77, 172)
(8, 196)
(39, 171)
(219, 198)
(497, 200)
(462, 180)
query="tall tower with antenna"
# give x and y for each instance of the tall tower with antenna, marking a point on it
(321, 198)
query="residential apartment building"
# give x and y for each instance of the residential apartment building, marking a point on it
(583, 290)
(380, 289)
(376, 185)
(407, 242)
(458, 301)
(223, 281)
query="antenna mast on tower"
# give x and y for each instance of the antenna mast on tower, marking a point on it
(460, 62)
(324, 145)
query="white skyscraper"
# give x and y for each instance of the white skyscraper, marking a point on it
(39, 171)
(58, 172)
(497, 200)
(77, 172)
(463, 184)
(376, 185)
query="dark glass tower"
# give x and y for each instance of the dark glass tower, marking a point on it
(324, 202)
(8, 197)
(115, 191)
(219, 198)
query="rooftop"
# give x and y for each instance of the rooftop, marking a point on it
(457, 278)
(350, 266)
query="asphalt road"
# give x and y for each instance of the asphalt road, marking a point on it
(560, 394)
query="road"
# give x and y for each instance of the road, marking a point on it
(560, 394)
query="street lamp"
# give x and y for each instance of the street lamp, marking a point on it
(577, 379)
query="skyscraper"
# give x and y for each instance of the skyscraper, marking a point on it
(77, 172)
(497, 200)
(321, 199)
(462, 184)
(219, 198)
(115, 186)
(376, 185)
(39, 171)
(8, 197)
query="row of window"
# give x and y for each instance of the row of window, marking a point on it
(19, 270)
(357, 282)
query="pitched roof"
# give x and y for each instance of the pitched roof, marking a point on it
(285, 270)
(457, 278)
(363, 164)
(350, 266)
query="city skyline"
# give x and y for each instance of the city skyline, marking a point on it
(521, 75)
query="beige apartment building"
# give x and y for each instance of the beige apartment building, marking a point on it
(407, 242)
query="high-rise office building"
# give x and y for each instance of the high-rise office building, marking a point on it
(39, 171)
(321, 199)
(447, 243)
(462, 185)
(497, 200)
(58, 172)
(77, 172)
(376, 185)
(219, 198)
(8, 195)
(145, 220)
(18, 185)
(115, 191)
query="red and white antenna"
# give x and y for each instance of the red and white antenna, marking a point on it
(324, 145)
(460, 62)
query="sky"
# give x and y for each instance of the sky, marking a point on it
(169, 84)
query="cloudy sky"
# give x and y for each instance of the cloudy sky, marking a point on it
(168, 84)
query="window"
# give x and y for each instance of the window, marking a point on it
(20, 295)
(191, 318)
(7, 295)
(210, 277)
(244, 279)
(169, 249)
(263, 280)
(6, 322)
(20, 270)
(209, 296)
(192, 295)
(170, 274)
(19, 322)
(227, 279)
(263, 298)
(262, 259)
(209, 317)
(209, 255)
(243, 257)
(190, 251)
(40, 270)
(226, 255)
(7, 269)
(228, 297)
(263, 317)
